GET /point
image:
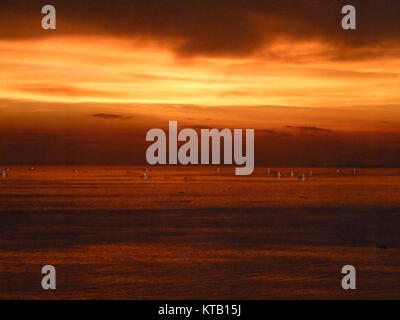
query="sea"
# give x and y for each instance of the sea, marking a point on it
(131, 232)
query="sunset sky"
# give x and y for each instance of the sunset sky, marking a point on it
(87, 92)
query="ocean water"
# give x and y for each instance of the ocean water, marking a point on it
(196, 233)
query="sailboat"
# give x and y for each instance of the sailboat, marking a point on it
(4, 174)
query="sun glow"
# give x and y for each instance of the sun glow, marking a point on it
(105, 70)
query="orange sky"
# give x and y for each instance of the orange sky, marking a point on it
(122, 73)
(103, 70)
(88, 82)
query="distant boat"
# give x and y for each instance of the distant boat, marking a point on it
(4, 174)
(382, 246)
(269, 170)
(32, 169)
(303, 177)
(145, 176)
(292, 173)
(279, 175)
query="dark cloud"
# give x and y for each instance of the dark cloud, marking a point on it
(110, 116)
(199, 127)
(223, 27)
(268, 131)
(313, 129)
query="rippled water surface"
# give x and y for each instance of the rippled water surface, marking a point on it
(195, 233)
